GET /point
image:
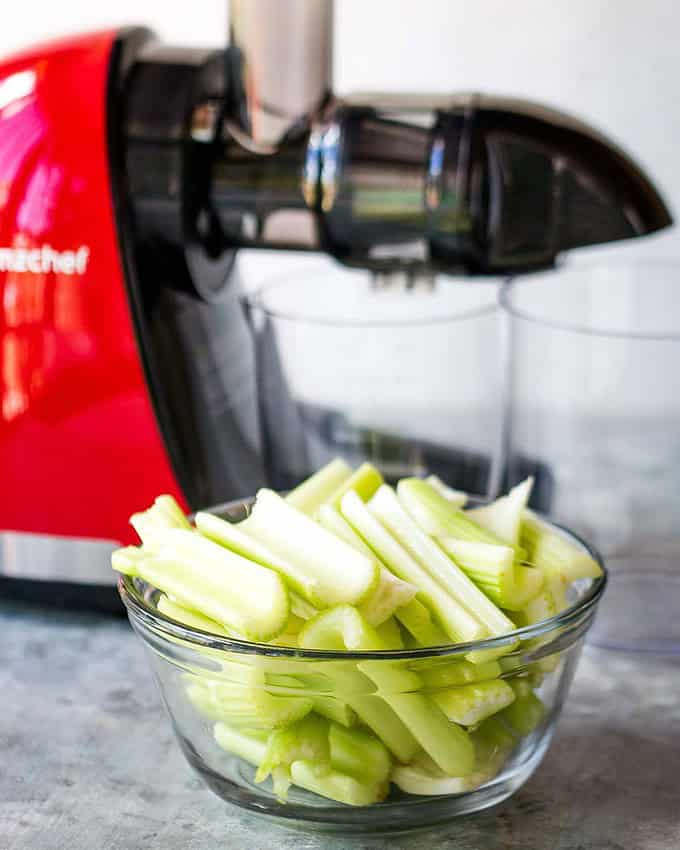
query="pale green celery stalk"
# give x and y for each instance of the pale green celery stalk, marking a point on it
(375, 713)
(487, 618)
(247, 705)
(188, 617)
(364, 481)
(548, 602)
(128, 559)
(493, 744)
(390, 634)
(491, 738)
(503, 517)
(251, 746)
(317, 489)
(391, 593)
(413, 779)
(289, 635)
(343, 628)
(457, 673)
(332, 520)
(232, 536)
(305, 739)
(451, 614)
(334, 709)
(428, 780)
(457, 498)
(553, 553)
(437, 516)
(493, 569)
(243, 596)
(323, 688)
(358, 753)
(417, 620)
(526, 712)
(301, 608)
(339, 628)
(445, 742)
(343, 575)
(356, 688)
(391, 677)
(470, 704)
(335, 785)
(163, 514)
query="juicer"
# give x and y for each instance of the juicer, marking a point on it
(132, 172)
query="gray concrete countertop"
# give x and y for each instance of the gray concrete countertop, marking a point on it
(88, 760)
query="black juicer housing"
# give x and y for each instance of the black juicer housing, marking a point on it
(212, 152)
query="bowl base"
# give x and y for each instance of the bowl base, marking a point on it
(399, 814)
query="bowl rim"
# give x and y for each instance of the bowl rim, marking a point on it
(140, 610)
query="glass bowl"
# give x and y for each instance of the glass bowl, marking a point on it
(215, 687)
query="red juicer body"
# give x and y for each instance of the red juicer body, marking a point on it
(80, 447)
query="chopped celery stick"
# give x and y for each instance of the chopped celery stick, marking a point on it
(548, 602)
(537, 675)
(503, 517)
(283, 683)
(251, 746)
(390, 634)
(390, 596)
(417, 620)
(436, 515)
(317, 489)
(334, 709)
(163, 514)
(484, 656)
(416, 780)
(487, 618)
(451, 614)
(306, 739)
(381, 719)
(445, 742)
(552, 552)
(430, 781)
(232, 536)
(201, 699)
(301, 608)
(526, 712)
(339, 628)
(492, 737)
(281, 781)
(360, 754)
(245, 597)
(188, 617)
(343, 575)
(332, 520)
(459, 673)
(290, 634)
(335, 785)
(364, 481)
(391, 592)
(493, 569)
(247, 706)
(470, 704)
(391, 677)
(128, 559)
(457, 498)
(492, 743)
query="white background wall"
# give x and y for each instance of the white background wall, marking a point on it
(616, 63)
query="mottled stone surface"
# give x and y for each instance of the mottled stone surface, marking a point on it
(88, 761)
